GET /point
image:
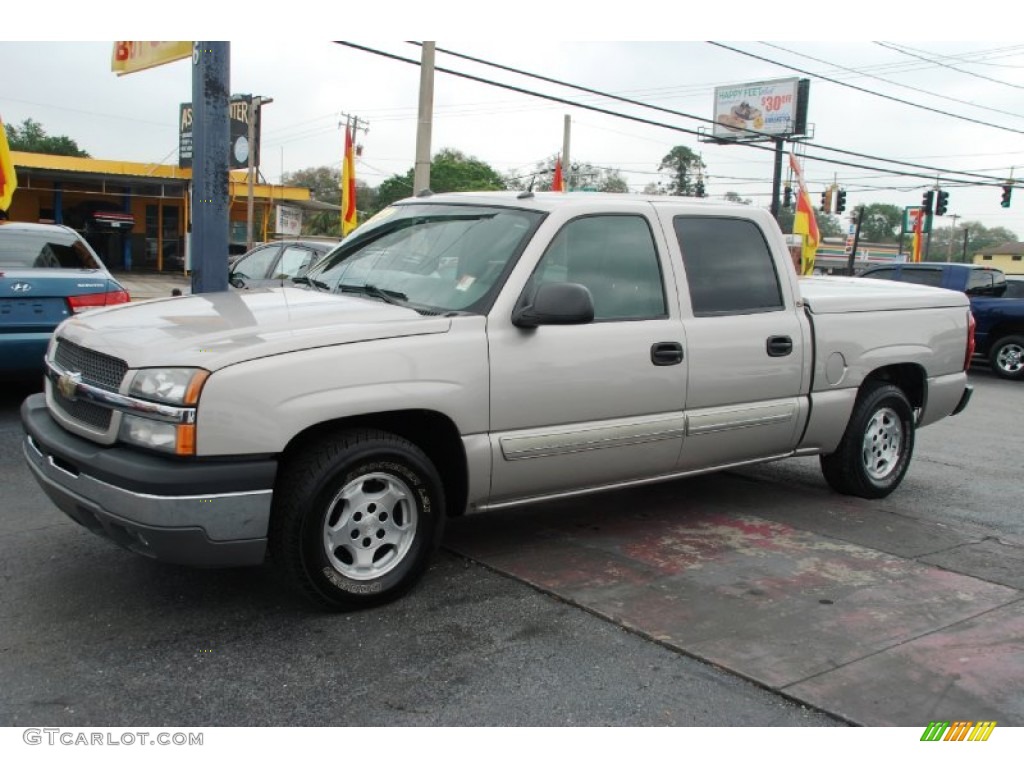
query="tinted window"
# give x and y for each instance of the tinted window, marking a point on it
(256, 264)
(44, 250)
(729, 266)
(923, 276)
(985, 282)
(615, 258)
(1014, 289)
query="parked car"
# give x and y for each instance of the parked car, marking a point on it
(273, 263)
(1000, 318)
(48, 272)
(472, 351)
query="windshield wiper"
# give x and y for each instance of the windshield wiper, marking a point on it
(312, 282)
(391, 297)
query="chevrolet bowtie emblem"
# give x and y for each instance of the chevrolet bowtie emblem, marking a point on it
(68, 383)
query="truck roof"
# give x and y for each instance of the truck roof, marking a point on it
(547, 201)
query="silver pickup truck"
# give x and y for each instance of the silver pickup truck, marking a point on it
(463, 352)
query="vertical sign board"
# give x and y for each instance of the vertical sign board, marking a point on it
(241, 111)
(289, 221)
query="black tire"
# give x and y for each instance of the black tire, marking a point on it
(355, 518)
(1007, 357)
(875, 451)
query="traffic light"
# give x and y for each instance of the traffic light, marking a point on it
(787, 197)
(840, 200)
(926, 202)
(1007, 190)
(826, 200)
(941, 203)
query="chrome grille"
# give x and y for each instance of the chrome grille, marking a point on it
(82, 410)
(96, 368)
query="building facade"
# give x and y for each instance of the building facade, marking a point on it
(135, 215)
(1008, 257)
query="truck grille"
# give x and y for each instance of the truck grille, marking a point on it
(96, 368)
(81, 410)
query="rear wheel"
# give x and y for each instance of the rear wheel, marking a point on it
(875, 451)
(356, 517)
(1007, 357)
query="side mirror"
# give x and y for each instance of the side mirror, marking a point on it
(236, 281)
(556, 304)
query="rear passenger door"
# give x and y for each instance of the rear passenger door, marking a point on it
(747, 344)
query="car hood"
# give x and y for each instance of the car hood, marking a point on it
(213, 330)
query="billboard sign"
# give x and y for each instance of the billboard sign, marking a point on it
(241, 111)
(289, 221)
(135, 55)
(750, 110)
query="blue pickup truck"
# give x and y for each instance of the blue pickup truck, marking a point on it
(999, 335)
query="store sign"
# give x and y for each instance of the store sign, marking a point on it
(135, 55)
(748, 111)
(289, 221)
(910, 216)
(241, 111)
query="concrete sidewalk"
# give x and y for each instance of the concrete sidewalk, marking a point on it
(152, 285)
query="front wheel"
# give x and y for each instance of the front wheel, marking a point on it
(355, 519)
(1007, 357)
(875, 451)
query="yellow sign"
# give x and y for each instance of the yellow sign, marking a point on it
(133, 56)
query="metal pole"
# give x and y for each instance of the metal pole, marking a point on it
(856, 240)
(421, 175)
(963, 256)
(565, 153)
(777, 178)
(254, 116)
(949, 245)
(211, 138)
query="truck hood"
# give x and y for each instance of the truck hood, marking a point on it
(213, 330)
(831, 295)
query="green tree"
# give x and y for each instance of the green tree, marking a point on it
(734, 197)
(450, 171)
(324, 183)
(948, 242)
(581, 175)
(31, 137)
(881, 223)
(685, 167)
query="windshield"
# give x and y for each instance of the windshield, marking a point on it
(439, 258)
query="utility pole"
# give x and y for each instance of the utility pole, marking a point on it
(777, 177)
(856, 239)
(963, 256)
(421, 175)
(565, 152)
(949, 245)
(211, 137)
(254, 119)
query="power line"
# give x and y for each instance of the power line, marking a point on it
(865, 90)
(898, 49)
(892, 82)
(931, 169)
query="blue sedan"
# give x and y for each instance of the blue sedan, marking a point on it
(47, 273)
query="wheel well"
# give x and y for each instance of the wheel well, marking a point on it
(434, 433)
(909, 377)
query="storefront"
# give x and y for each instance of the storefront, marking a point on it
(135, 215)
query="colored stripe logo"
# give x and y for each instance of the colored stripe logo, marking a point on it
(958, 730)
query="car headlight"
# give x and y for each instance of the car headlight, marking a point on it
(170, 430)
(175, 386)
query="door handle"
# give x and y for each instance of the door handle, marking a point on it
(667, 353)
(779, 346)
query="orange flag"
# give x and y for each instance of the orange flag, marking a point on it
(915, 251)
(558, 183)
(348, 186)
(8, 180)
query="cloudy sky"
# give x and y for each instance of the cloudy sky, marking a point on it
(68, 87)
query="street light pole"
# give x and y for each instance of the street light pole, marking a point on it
(949, 245)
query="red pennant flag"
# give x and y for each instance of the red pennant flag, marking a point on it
(8, 180)
(558, 183)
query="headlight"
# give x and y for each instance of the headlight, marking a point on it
(176, 386)
(173, 430)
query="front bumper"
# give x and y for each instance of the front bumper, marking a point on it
(199, 513)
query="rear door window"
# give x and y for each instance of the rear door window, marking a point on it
(44, 250)
(729, 266)
(931, 277)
